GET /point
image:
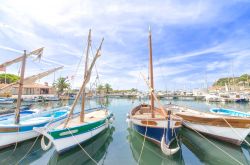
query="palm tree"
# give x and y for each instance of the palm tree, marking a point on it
(61, 84)
(107, 88)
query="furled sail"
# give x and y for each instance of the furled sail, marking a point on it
(31, 79)
(37, 52)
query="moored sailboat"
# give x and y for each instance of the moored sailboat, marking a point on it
(78, 129)
(153, 123)
(17, 128)
(230, 129)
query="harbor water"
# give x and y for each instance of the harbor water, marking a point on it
(120, 145)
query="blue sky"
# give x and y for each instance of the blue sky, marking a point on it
(191, 39)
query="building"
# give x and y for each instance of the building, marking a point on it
(35, 89)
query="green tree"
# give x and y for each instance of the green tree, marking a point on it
(107, 88)
(10, 78)
(99, 88)
(133, 90)
(61, 85)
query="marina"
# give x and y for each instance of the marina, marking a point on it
(124, 82)
(121, 145)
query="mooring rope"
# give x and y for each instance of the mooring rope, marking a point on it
(235, 131)
(217, 146)
(28, 151)
(82, 147)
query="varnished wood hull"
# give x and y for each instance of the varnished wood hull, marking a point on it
(226, 128)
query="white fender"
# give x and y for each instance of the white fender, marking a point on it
(111, 120)
(165, 148)
(44, 146)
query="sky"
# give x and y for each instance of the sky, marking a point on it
(193, 41)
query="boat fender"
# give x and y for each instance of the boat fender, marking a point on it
(165, 148)
(111, 120)
(44, 146)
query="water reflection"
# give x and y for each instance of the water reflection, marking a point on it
(208, 153)
(25, 153)
(95, 147)
(151, 154)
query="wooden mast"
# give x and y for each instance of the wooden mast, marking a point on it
(151, 74)
(85, 81)
(20, 90)
(85, 74)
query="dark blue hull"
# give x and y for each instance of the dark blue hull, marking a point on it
(156, 134)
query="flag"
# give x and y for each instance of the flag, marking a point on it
(38, 52)
(3, 69)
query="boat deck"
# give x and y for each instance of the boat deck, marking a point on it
(89, 117)
(148, 116)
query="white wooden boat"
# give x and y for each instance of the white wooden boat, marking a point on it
(155, 124)
(76, 130)
(95, 147)
(20, 128)
(226, 128)
(11, 133)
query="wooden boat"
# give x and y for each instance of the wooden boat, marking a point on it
(230, 129)
(229, 112)
(96, 147)
(20, 128)
(76, 130)
(11, 133)
(154, 123)
(6, 100)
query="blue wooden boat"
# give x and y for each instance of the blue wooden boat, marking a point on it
(4, 100)
(229, 112)
(11, 133)
(155, 124)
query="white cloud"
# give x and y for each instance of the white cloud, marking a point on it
(61, 26)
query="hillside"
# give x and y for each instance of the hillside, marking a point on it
(242, 80)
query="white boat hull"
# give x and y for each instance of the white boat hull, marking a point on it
(8, 139)
(71, 141)
(233, 135)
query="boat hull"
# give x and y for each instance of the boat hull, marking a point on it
(226, 134)
(156, 134)
(67, 138)
(10, 135)
(67, 143)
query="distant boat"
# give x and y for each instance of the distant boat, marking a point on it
(230, 129)
(229, 112)
(4, 100)
(52, 98)
(78, 129)
(155, 124)
(34, 99)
